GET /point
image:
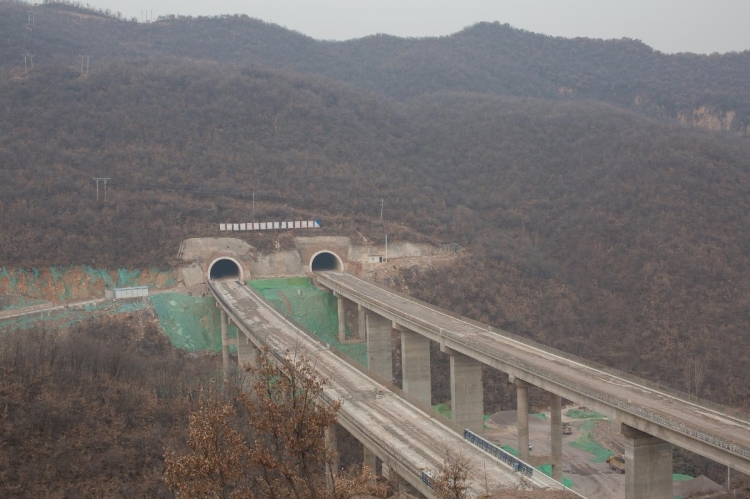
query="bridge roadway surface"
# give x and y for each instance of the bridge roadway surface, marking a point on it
(400, 429)
(667, 416)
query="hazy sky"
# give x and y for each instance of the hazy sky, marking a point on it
(703, 26)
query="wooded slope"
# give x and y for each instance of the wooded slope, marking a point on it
(590, 227)
(713, 91)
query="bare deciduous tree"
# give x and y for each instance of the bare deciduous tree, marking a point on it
(452, 478)
(274, 449)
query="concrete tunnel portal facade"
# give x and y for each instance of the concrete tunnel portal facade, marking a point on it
(326, 260)
(225, 267)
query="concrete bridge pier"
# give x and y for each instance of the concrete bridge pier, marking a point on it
(467, 395)
(648, 465)
(369, 459)
(379, 355)
(415, 365)
(332, 465)
(522, 411)
(224, 344)
(362, 321)
(342, 318)
(555, 402)
(247, 352)
(397, 482)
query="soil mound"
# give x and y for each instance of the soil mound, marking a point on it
(699, 485)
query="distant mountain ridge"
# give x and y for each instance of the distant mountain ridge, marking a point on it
(488, 58)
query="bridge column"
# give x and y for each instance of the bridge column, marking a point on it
(415, 365)
(247, 353)
(332, 464)
(379, 354)
(522, 410)
(362, 318)
(467, 397)
(369, 459)
(224, 345)
(648, 465)
(555, 403)
(342, 318)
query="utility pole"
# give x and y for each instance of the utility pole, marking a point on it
(386, 248)
(97, 179)
(381, 209)
(86, 58)
(253, 205)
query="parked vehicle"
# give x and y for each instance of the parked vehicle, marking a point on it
(566, 429)
(617, 463)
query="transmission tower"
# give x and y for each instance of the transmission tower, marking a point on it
(97, 179)
(29, 41)
(85, 69)
(28, 59)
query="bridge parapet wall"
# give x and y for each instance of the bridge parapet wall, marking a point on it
(569, 356)
(658, 424)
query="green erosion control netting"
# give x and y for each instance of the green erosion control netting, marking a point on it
(66, 317)
(445, 410)
(23, 288)
(589, 444)
(579, 414)
(312, 308)
(546, 469)
(191, 322)
(539, 415)
(681, 478)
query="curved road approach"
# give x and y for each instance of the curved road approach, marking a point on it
(402, 436)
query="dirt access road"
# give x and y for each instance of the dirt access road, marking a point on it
(592, 480)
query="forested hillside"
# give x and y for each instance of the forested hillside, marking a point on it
(588, 226)
(711, 91)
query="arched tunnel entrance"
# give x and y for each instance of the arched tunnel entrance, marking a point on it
(225, 268)
(326, 260)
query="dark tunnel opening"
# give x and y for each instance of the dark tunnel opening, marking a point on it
(223, 269)
(325, 261)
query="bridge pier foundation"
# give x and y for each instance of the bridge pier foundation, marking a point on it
(379, 355)
(467, 397)
(415, 365)
(648, 465)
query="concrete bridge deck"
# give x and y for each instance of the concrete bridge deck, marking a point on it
(401, 435)
(697, 427)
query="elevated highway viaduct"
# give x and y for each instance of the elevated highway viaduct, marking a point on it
(650, 417)
(406, 439)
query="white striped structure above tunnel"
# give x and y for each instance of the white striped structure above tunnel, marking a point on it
(297, 224)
